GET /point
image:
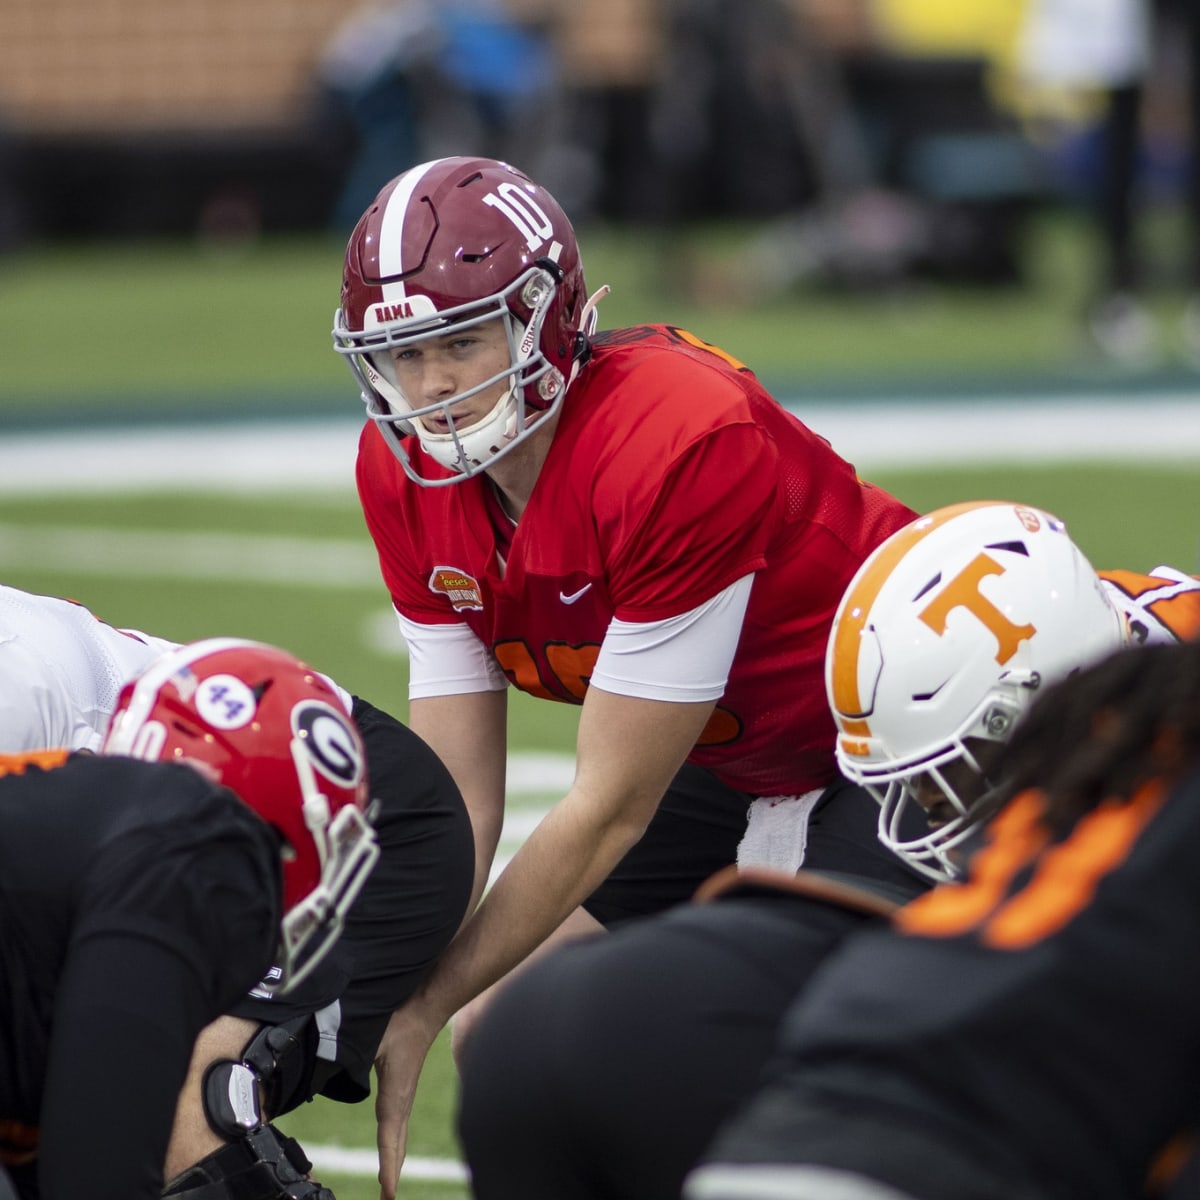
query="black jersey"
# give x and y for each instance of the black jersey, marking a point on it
(137, 903)
(1039, 1017)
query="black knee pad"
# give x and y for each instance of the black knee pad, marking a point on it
(277, 1062)
(282, 1057)
(259, 1162)
(263, 1164)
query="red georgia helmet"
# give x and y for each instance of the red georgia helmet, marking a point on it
(457, 242)
(273, 731)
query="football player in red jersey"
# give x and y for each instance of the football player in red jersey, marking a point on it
(625, 521)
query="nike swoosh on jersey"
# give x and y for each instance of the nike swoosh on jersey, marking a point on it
(570, 599)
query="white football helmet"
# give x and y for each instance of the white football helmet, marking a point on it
(937, 648)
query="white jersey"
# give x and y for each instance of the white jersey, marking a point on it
(61, 670)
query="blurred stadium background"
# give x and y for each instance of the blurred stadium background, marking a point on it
(865, 200)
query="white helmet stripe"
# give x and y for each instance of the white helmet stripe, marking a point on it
(391, 228)
(123, 734)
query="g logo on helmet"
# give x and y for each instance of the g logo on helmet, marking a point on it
(329, 742)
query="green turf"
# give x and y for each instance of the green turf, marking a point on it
(174, 328)
(1120, 516)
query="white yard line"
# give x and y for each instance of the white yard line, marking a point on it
(241, 558)
(362, 1162)
(245, 457)
(318, 455)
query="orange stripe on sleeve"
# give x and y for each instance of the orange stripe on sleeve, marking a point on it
(1180, 614)
(16, 764)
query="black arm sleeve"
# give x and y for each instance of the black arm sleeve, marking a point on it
(177, 920)
(126, 1018)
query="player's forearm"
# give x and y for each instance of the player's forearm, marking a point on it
(469, 734)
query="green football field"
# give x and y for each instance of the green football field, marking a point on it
(140, 571)
(108, 334)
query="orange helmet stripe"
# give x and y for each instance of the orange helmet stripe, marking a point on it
(857, 604)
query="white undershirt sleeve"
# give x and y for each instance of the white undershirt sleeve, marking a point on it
(683, 659)
(448, 660)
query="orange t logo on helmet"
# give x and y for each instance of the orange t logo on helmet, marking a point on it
(963, 592)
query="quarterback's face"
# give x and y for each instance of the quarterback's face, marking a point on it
(439, 368)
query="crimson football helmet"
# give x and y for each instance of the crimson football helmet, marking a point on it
(939, 644)
(449, 245)
(263, 724)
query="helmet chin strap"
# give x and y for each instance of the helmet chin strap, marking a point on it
(468, 451)
(589, 317)
(454, 449)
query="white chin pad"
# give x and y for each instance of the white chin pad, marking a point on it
(428, 437)
(471, 447)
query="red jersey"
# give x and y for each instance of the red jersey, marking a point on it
(672, 474)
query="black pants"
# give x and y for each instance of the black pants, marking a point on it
(602, 1071)
(696, 831)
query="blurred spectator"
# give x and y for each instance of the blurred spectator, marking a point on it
(418, 79)
(685, 109)
(891, 155)
(733, 109)
(850, 125)
(1125, 51)
(1180, 23)
(609, 58)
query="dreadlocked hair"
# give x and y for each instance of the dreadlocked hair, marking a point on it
(1106, 730)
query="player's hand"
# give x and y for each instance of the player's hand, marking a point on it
(398, 1062)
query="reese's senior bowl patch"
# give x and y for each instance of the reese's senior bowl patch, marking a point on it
(461, 589)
